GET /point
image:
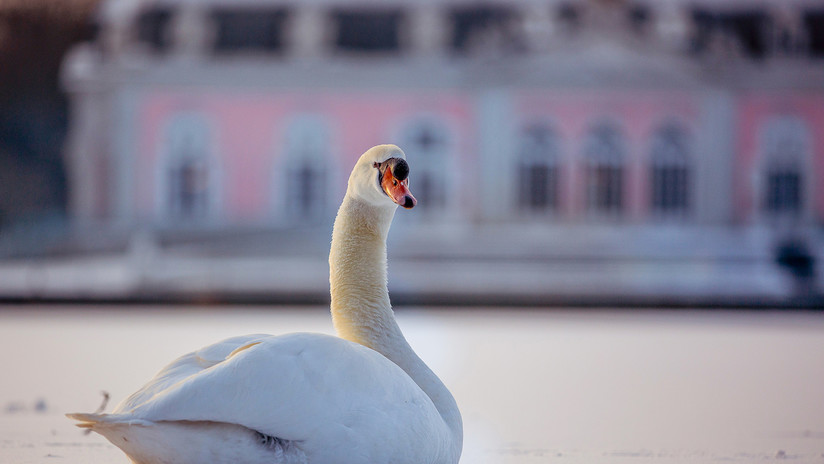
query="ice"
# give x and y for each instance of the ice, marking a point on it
(534, 386)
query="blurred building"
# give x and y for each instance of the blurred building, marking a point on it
(34, 37)
(547, 128)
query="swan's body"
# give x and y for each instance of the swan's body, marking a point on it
(306, 398)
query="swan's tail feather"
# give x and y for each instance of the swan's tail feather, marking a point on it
(87, 421)
(94, 420)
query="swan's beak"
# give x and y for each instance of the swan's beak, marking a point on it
(398, 190)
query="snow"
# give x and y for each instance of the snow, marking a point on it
(534, 386)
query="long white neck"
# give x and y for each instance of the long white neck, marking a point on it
(361, 311)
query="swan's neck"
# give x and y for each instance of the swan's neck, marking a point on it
(361, 311)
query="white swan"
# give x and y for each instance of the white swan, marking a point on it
(365, 397)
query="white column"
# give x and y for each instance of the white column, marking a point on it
(309, 32)
(715, 159)
(672, 25)
(116, 20)
(429, 31)
(190, 31)
(495, 118)
(86, 137)
(538, 25)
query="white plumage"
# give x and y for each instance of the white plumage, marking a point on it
(306, 398)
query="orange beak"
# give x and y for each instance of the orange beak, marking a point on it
(398, 190)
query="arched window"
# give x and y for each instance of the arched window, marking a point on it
(426, 144)
(604, 158)
(783, 187)
(189, 180)
(538, 170)
(785, 147)
(670, 172)
(307, 170)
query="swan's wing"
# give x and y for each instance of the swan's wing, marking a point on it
(304, 387)
(186, 366)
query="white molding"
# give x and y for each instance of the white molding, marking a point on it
(440, 164)
(771, 134)
(304, 137)
(203, 131)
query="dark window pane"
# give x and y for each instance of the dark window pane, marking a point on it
(368, 31)
(469, 24)
(605, 157)
(703, 25)
(153, 28)
(669, 189)
(254, 30)
(429, 192)
(783, 192)
(190, 188)
(639, 17)
(569, 15)
(750, 29)
(539, 181)
(814, 23)
(670, 171)
(306, 191)
(538, 172)
(605, 188)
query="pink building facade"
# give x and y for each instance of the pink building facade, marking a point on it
(248, 144)
(269, 158)
(625, 118)
(783, 133)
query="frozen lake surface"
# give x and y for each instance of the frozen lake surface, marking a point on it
(576, 386)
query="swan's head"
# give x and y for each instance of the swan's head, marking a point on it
(381, 177)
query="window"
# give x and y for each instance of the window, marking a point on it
(478, 27)
(639, 18)
(785, 145)
(307, 193)
(153, 28)
(190, 171)
(368, 31)
(307, 170)
(814, 25)
(189, 187)
(258, 29)
(749, 29)
(538, 170)
(604, 155)
(670, 172)
(569, 15)
(426, 145)
(783, 189)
